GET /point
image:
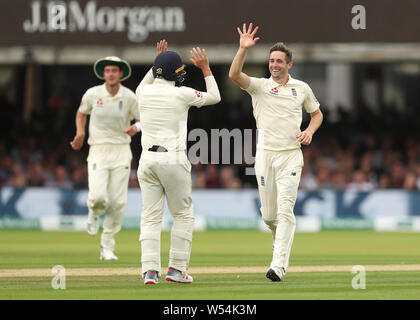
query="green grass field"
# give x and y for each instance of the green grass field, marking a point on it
(35, 249)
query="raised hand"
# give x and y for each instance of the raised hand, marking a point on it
(247, 37)
(161, 46)
(199, 58)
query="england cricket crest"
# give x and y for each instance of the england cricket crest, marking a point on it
(120, 105)
(100, 103)
(274, 91)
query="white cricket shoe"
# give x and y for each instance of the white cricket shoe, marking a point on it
(107, 255)
(92, 225)
(276, 274)
(176, 275)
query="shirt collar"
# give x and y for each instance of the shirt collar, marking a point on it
(290, 81)
(164, 81)
(118, 95)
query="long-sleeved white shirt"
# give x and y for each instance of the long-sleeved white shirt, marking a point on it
(164, 110)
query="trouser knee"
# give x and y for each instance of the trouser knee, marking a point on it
(285, 213)
(272, 224)
(116, 210)
(182, 234)
(97, 203)
(184, 214)
(147, 235)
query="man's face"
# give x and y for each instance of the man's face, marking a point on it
(112, 75)
(278, 65)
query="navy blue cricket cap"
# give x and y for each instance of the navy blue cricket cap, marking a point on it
(168, 65)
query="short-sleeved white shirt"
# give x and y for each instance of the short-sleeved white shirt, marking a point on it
(109, 115)
(164, 113)
(278, 111)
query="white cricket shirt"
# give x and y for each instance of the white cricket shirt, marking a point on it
(278, 111)
(109, 115)
(164, 111)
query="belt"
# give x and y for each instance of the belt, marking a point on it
(158, 149)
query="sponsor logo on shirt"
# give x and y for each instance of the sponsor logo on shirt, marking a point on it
(294, 92)
(198, 94)
(100, 102)
(120, 105)
(274, 91)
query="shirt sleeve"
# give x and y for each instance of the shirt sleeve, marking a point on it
(254, 85)
(134, 110)
(199, 98)
(310, 103)
(86, 103)
(193, 97)
(148, 79)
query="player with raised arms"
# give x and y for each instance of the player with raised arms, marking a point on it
(164, 169)
(277, 107)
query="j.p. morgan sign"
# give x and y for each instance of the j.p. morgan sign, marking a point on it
(137, 22)
(186, 22)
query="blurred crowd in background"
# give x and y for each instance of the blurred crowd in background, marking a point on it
(359, 151)
(361, 166)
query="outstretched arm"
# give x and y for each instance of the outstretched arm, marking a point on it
(246, 41)
(161, 46)
(200, 60)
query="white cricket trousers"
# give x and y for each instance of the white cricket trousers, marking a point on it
(108, 174)
(165, 174)
(278, 176)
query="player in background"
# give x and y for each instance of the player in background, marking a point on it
(277, 107)
(164, 169)
(111, 107)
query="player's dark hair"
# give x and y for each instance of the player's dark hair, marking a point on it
(280, 46)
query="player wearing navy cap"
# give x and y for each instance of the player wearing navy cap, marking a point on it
(164, 170)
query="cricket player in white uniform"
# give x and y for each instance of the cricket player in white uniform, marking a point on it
(111, 107)
(164, 169)
(277, 107)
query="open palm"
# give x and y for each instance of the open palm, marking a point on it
(247, 39)
(161, 46)
(199, 58)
